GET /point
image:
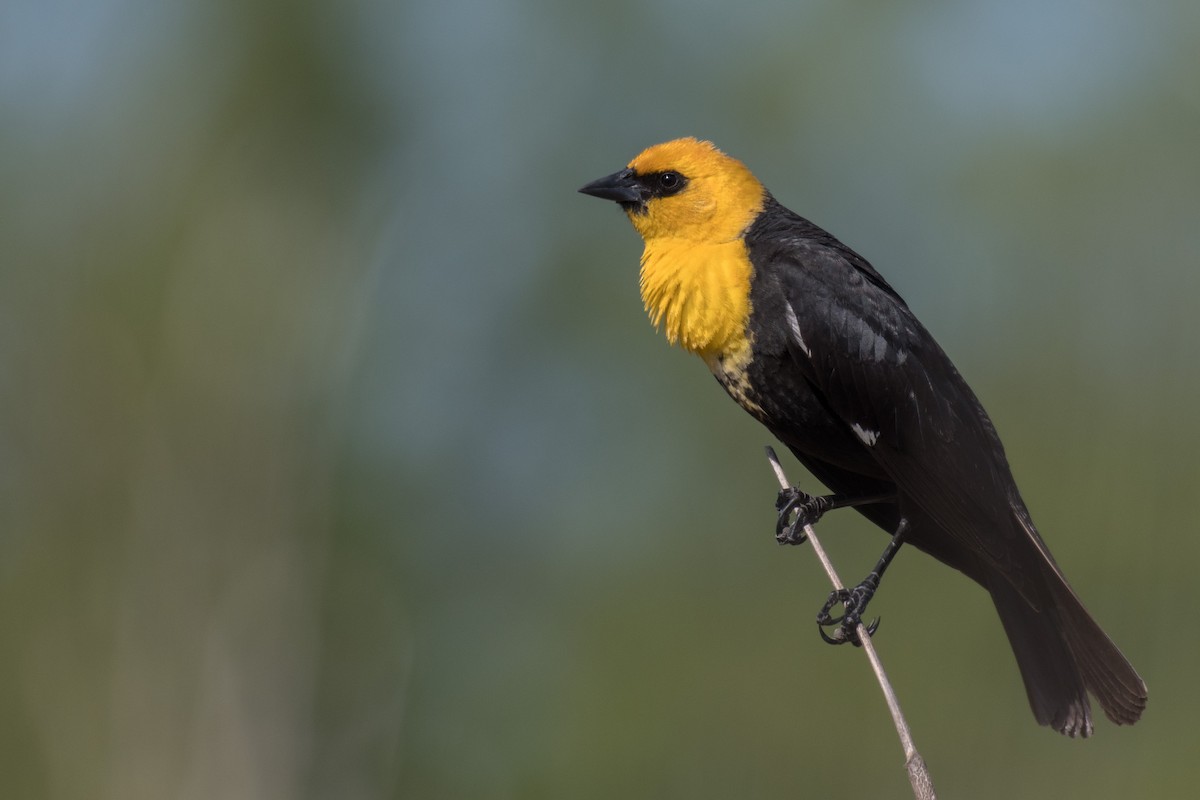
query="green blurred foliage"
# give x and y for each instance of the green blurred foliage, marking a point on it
(337, 458)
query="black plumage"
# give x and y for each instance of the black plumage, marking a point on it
(811, 340)
(846, 376)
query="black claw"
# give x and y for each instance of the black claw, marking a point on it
(786, 531)
(854, 601)
(839, 636)
(788, 498)
(836, 597)
(807, 510)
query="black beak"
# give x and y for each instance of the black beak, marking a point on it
(621, 187)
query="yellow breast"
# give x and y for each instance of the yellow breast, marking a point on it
(698, 293)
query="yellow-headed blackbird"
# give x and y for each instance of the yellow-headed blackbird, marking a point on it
(806, 336)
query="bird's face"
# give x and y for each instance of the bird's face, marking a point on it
(684, 189)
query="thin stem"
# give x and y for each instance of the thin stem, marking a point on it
(918, 774)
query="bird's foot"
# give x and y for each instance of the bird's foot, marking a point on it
(854, 604)
(797, 509)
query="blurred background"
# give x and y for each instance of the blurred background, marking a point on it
(338, 458)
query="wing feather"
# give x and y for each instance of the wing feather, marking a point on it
(883, 374)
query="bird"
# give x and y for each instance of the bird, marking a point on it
(805, 335)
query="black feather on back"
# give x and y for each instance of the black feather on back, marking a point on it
(835, 328)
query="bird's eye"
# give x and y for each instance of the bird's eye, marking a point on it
(667, 183)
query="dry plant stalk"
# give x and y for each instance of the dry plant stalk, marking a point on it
(918, 774)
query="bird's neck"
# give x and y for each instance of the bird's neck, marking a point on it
(698, 293)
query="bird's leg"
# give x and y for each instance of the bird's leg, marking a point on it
(855, 600)
(808, 509)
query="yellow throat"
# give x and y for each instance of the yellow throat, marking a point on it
(695, 275)
(698, 294)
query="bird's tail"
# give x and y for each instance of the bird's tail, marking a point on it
(1063, 654)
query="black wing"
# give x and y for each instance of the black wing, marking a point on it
(881, 372)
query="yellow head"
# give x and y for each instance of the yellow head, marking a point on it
(686, 189)
(691, 203)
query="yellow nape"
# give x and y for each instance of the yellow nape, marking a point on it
(695, 276)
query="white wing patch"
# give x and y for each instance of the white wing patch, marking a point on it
(865, 436)
(794, 324)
